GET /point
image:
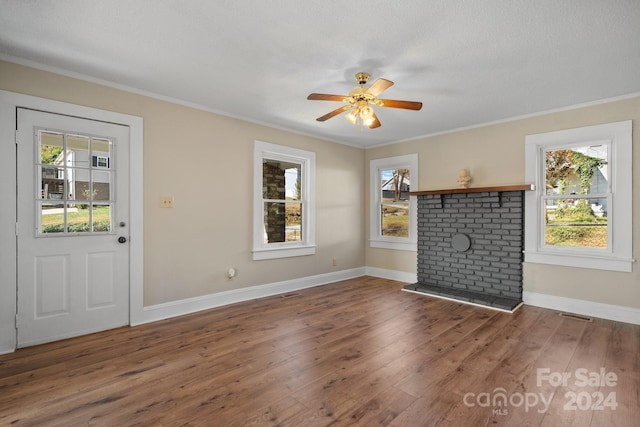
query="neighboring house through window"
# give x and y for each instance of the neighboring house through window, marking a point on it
(393, 223)
(284, 207)
(580, 213)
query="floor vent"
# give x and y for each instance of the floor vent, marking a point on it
(289, 295)
(576, 317)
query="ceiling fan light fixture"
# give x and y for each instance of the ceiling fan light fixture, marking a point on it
(361, 114)
(366, 112)
(352, 116)
(361, 100)
(368, 121)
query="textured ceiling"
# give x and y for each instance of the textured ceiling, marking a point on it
(469, 62)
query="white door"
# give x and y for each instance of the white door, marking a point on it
(73, 222)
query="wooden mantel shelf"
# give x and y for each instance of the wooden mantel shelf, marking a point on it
(517, 187)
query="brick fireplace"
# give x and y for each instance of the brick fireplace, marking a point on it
(470, 244)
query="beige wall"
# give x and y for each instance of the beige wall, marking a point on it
(495, 156)
(188, 249)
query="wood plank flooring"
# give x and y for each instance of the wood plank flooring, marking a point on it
(355, 353)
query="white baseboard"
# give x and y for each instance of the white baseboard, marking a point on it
(400, 276)
(191, 305)
(585, 308)
(7, 349)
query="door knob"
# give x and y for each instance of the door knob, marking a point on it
(122, 239)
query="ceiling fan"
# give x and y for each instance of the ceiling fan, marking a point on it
(360, 100)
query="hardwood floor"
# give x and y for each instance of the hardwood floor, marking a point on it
(357, 352)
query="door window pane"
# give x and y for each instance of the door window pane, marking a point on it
(52, 217)
(77, 151)
(51, 148)
(101, 218)
(78, 218)
(52, 183)
(101, 185)
(101, 153)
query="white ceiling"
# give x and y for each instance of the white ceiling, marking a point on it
(470, 62)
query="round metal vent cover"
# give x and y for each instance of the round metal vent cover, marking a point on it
(460, 242)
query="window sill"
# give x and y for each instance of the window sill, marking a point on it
(283, 252)
(581, 261)
(386, 244)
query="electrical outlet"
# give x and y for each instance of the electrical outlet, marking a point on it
(335, 261)
(166, 201)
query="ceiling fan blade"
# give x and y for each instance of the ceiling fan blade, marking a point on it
(326, 97)
(333, 113)
(376, 123)
(407, 105)
(379, 86)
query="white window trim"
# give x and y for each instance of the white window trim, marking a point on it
(376, 240)
(618, 257)
(263, 250)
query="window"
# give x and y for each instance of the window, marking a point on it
(580, 213)
(284, 209)
(75, 194)
(393, 223)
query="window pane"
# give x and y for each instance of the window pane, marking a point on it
(51, 148)
(293, 222)
(281, 180)
(579, 170)
(395, 184)
(578, 222)
(78, 218)
(395, 187)
(101, 217)
(52, 183)
(283, 222)
(395, 219)
(51, 217)
(274, 222)
(101, 153)
(77, 151)
(101, 185)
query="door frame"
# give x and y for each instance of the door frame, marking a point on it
(9, 102)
